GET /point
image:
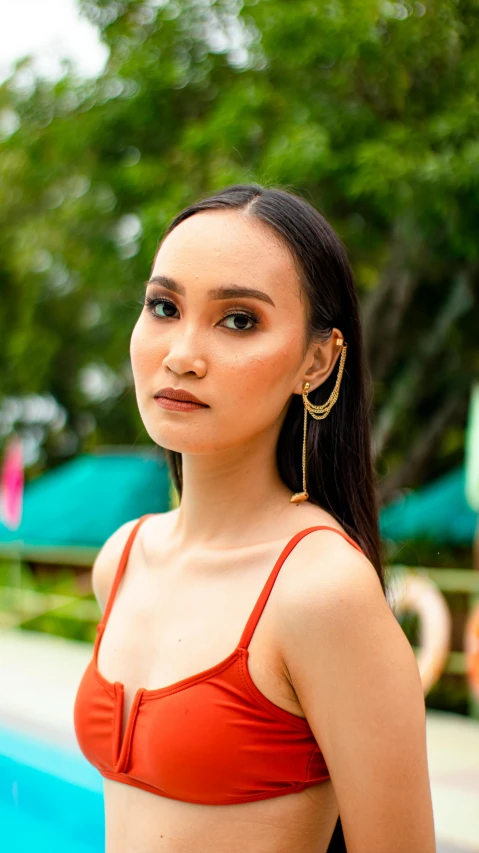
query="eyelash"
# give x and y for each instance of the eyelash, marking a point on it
(151, 302)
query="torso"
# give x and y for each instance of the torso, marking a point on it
(167, 623)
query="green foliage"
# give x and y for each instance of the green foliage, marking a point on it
(369, 109)
(75, 620)
(450, 693)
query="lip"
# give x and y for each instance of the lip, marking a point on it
(179, 405)
(180, 395)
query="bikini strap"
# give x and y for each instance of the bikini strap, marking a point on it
(263, 598)
(120, 570)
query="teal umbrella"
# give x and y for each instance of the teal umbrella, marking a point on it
(438, 512)
(82, 502)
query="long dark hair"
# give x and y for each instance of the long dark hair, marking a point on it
(340, 475)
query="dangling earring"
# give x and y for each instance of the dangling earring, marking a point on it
(318, 413)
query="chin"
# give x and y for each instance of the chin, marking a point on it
(172, 440)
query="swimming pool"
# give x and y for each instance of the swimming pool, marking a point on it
(51, 800)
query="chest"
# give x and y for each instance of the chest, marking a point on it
(163, 630)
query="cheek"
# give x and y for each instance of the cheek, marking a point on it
(141, 348)
(263, 373)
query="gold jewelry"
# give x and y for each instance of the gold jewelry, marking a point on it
(318, 413)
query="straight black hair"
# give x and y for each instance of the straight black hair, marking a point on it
(340, 474)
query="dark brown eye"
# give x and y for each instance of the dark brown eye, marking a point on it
(152, 304)
(241, 321)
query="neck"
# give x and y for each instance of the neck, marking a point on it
(231, 497)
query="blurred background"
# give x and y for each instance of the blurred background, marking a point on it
(114, 115)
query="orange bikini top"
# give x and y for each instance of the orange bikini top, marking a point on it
(212, 738)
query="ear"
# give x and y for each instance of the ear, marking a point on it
(319, 362)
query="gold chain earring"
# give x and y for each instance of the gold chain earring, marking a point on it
(318, 413)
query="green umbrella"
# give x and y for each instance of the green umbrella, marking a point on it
(437, 512)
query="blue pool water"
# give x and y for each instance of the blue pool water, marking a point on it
(51, 800)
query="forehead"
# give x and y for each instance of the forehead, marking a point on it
(219, 245)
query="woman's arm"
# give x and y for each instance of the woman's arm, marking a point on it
(356, 678)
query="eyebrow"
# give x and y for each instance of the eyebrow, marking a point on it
(232, 291)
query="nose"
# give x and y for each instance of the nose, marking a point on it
(183, 356)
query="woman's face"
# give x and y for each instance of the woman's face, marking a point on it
(240, 354)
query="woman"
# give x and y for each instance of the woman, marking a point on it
(253, 684)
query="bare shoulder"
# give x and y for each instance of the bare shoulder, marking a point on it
(330, 593)
(324, 564)
(109, 555)
(106, 562)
